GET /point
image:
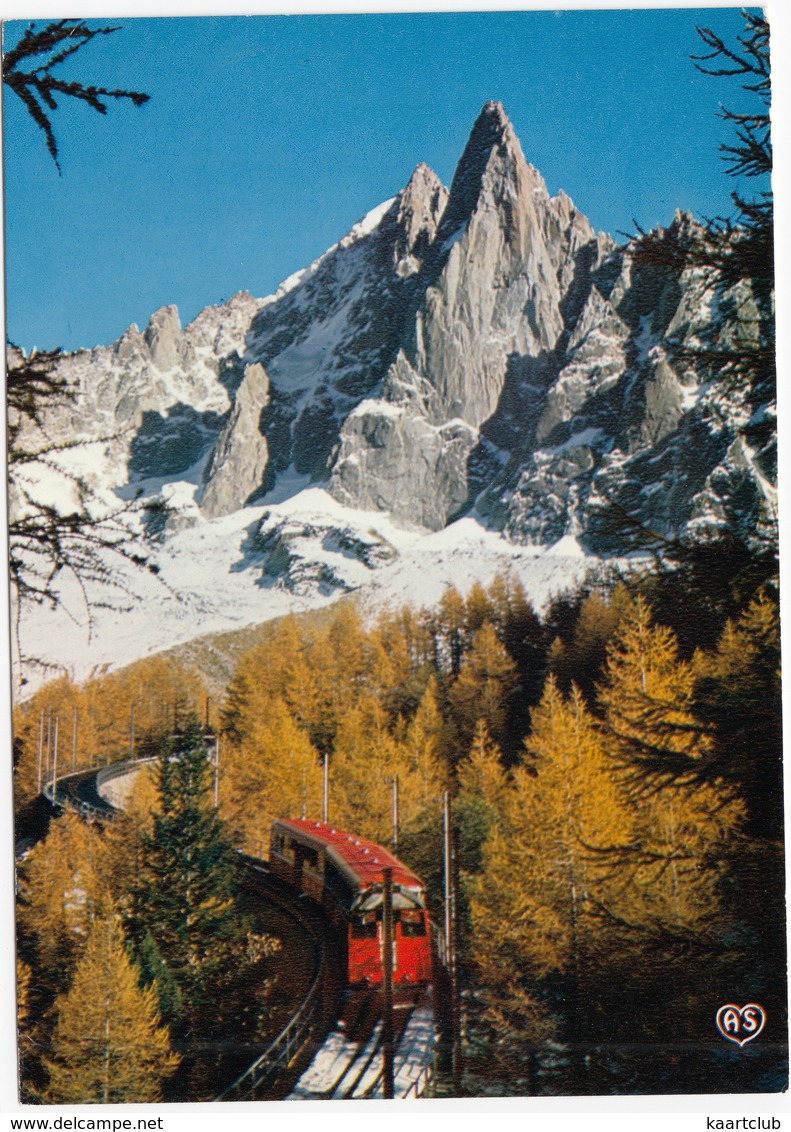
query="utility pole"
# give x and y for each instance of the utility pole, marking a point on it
(451, 855)
(74, 738)
(216, 770)
(387, 984)
(325, 789)
(447, 873)
(48, 749)
(40, 769)
(395, 813)
(131, 730)
(55, 766)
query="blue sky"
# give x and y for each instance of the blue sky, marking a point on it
(267, 137)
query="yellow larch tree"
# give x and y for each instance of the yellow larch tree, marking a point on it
(448, 629)
(680, 826)
(62, 883)
(581, 659)
(482, 690)
(423, 751)
(52, 732)
(108, 1046)
(273, 772)
(125, 835)
(548, 861)
(361, 771)
(132, 711)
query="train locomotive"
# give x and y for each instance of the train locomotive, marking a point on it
(344, 873)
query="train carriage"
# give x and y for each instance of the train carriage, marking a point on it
(345, 874)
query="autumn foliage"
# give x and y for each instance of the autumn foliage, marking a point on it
(616, 800)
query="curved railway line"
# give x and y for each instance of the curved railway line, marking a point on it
(306, 1059)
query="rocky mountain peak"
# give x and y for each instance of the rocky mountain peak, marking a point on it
(492, 153)
(163, 337)
(420, 208)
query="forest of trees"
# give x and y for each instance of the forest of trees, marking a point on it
(616, 789)
(140, 971)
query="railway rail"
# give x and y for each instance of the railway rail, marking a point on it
(276, 1071)
(349, 1064)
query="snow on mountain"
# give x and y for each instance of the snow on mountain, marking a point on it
(266, 561)
(469, 376)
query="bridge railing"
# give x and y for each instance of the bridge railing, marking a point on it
(87, 810)
(117, 770)
(289, 1043)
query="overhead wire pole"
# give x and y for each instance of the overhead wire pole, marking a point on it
(217, 770)
(395, 812)
(40, 769)
(387, 984)
(450, 861)
(455, 989)
(55, 766)
(48, 748)
(325, 789)
(74, 738)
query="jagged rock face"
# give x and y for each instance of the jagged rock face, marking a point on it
(498, 282)
(240, 454)
(156, 400)
(328, 336)
(535, 381)
(478, 350)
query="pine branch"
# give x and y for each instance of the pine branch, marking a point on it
(37, 87)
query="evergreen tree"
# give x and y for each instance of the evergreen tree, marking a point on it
(737, 696)
(580, 658)
(447, 626)
(519, 629)
(185, 898)
(108, 1046)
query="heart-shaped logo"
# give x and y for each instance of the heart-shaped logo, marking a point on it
(741, 1024)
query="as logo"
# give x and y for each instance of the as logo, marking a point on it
(741, 1024)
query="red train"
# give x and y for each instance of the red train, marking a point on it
(344, 873)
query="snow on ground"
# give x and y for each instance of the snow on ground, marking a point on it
(212, 578)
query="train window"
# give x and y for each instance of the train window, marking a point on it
(412, 924)
(364, 927)
(310, 856)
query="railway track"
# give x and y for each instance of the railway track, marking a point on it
(275, 1068)
(305, 1058)
(349, 1064)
